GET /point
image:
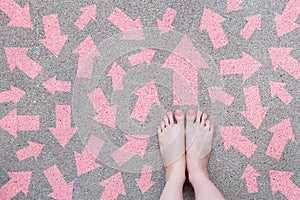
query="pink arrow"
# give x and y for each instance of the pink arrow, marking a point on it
(165, 25)
(245, 65)
(88, 14)
(132, 29)
(232, 137)
(136, 145)
(19, 181)
(87, 51)
(116, 73)
(277, 89)
(250, 175)
(147, 96)
(19, 16)
(280, 181)
(281, 57)
(145, 55)
(85, 161)
(286, 22)
(17, 57)
(114, 186)
(234, 5)
(13, 123)
(185, 61)
(144, 182)
(14, 94)
(282, 133)
(106, 114)
(53, 85)
(211, 22)
(254, 112)
(254, 22)
(217, 93)
(54, 41)
(34, 149)
(61, 189)
(63, 131)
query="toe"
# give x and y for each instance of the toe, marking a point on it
(179, 116)
(171, 118)
(190, 117)
(203, 119)
(212, 128)
(207, 124)
(166, 119)
(159, 130)
(162, 125)
(199, 115)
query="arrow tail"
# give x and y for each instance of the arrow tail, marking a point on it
(51, 26)
(9, 7)
(121, 20)
(28, 123)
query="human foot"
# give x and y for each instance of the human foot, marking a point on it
(199, 138)
(172, 145)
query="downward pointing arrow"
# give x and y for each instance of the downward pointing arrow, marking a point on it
(147, 96)
(106, 114)
(254, 22)
(19, 181)
(53, 85)
(281, 57)
(54, 41)
(17, 57)
(113, 187)
(85, 161)
(250, 175)
(88, 13)
(282, 133)
(211, 22)
(61, 189)
(116, 73)
(280, 181)
(145, 55)
(136, 145)
(254, 112)
(232, 136)
(277, 89)
(234, 5)
(216, 93)
(63, 131)
(19, 16)
(144, 182)
(14, 94)
(34, 149)
(165, 25)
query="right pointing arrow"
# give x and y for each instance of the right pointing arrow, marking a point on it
(34, 149)
(14, 94)
(254, 22)
(250, 175)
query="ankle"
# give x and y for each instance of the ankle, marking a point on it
(197, 171)
(175, 174)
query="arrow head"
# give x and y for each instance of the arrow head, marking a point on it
(255, 21)
(210, 19)
(255, 115)
(278, 56)
(148, 92)
(114, 185)
(13, 55)
(63, 135)
(36, 148)
(55, 44)
(85, 162)
(250, 65)
(278, 179)
(284, 25)
(250, 172)
(229, 133)
(21, 180)
(283, 130)
(137, 144)
(21, 18)
(90, 11)
(16, 93)
(136, 32)
(276, 88)
(64, 192)
(50, 85)
(10, 123)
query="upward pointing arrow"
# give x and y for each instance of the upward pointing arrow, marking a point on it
(165, 25)
(250, 175)
(113, 187)
(144, 182)
(254, 22)
(88, 13)
(116, 73)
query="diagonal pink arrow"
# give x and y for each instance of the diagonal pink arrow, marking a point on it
(217, 93)
(54, 41)
(17, 57)
(145, 55)
(63, 131)
(147, 95)
(19, 182)
(85, 161)
(250, 175)
(34, 149)
(88, 14)
(211, 22)
(132, 29)
(281, 57)
(254, 22)
(254, 112)
(234, 5)
(116, 73)
(282, 133)
(280, 181)
(61, 189)
(136, 145)
(105, 113)
(14, 94)
(144, 182)
(165, 25)
(13, 123)
(277, 89)
(113, 187)
(245, 65)
(87, 51)
(185, 61)
(53, 85)
(19, 16)
(232, 136)
(286, 22)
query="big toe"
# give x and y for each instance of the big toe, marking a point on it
(190, 117)
(179, 116)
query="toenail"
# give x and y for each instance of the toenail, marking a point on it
(178, 112)
(190, 112)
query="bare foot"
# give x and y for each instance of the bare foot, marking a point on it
(171, 140)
